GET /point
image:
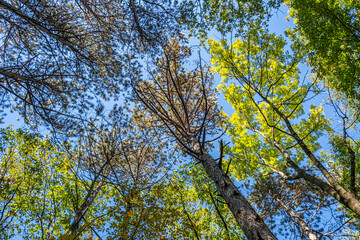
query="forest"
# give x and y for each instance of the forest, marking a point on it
(191, 119)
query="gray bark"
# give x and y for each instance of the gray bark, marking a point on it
(249, 221)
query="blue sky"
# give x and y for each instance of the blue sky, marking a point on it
(278, 25)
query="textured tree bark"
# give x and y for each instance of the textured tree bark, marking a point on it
(250, 222)
(324, 186)
(352, 157)
(184, 106)
(345, 197)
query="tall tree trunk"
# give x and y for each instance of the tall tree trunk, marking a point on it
(249, 221)
(352, 157)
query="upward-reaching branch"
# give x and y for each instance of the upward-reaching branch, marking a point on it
(170, 82)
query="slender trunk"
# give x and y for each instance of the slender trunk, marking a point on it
(346, 197)
(352, 169)
(249, 221)
(308, 232)
(325, 187)
(352, 160)
(80, 213)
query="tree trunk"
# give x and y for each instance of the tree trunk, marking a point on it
(308, 232)
(80, 213)
(347, 198)
(249, 221)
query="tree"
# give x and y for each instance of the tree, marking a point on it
(183, 105)
(234, 17)
(65, 195)
(63, 58)
(122, 165)
(269, 131)
(37, 186)
(48, 193)
(331, 43)
(147, 170)
(331, 48)
(299, 206)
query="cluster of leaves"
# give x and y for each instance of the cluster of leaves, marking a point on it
(272, 136)
(226, 16)
(43, 188)
(265, 80)
(328, 33)
(37, 186)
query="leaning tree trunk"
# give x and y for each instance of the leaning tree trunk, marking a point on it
(345, 197)
(87, 203)
(249, 221)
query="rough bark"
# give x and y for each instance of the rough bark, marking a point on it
(183, 105)
(352, 157)
(250, 222)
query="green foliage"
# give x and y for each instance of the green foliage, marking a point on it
(122, 177)
(328, 33)
(40, 190)
(341, 154)
(279, 121)
(38, 187)
(204, 204)
(33, 181)
(226, 16)
(263, 77)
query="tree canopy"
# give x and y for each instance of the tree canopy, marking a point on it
(179, 120)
